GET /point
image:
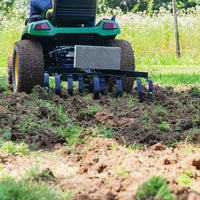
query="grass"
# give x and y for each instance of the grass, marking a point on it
(154, 188)
(184, 179)
(71, 134)
(182, 77)
(152, 38)
(160, 111)
(29, 190)
(163, 126)
(15, 149)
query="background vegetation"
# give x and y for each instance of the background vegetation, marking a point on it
(125, 5)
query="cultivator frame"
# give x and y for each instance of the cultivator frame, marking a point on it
(98, 80)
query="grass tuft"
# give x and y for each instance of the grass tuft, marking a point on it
(154, 188)
(15, 149)
(29, 190)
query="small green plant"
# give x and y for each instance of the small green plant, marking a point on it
(7, 133)
(189, 173)
(130, 104)
(103, 130)
(92, 110)
(195, 92)
(160, 111)
(36, 174)
(163, 126)
(173, 142)
(155, 188)
(29, 125)
(72, 134)
(29, 190)
(124, 174)
(184, 179)
(136, 146)
(15, 149)
(62, 117)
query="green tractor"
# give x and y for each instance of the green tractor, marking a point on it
(65, 42)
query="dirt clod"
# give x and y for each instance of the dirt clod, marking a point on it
(44, 111)
(196, 163)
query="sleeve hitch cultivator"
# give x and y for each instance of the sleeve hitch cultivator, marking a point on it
(63, 41)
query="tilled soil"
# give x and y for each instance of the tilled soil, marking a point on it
(103, 170)
(108, 170)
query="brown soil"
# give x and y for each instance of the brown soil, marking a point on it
(103, 168)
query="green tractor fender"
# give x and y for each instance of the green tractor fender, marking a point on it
(45, 28)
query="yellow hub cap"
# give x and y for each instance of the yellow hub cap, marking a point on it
(16, 70)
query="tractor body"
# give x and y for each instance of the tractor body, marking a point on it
(64, 42)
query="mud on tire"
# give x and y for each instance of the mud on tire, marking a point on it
(9, 69)
(127, 62)
(27, 66)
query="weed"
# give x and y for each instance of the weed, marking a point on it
(124, 174)
(189, 173)
(87, 114)
(15, 149)
(130, 104)
(173, 142)
(195, 92)
(136, 146)
(62, 117)
(28, 125)
(36, 174)
(163, 126)
(190, 134)
(29, 190)
(7, 92)
(106, 132)
(88, 97)
(154, 188)
(7, 133)
(92, 110)
(71, 134)
(160, 111)
(113, 101)
(184, 179)
(35, 94)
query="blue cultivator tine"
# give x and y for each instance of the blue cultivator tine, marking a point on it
(81, 83)
(119, 87)
(46, 82)
(102, 84)
(150, 92)
(139, 88)
(70, 84)
(57, 84)
(96, 86)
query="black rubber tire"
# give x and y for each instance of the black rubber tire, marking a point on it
(127, 62)
(28, 64)
(9, 69)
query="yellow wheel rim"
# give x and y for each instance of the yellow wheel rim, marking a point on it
(16, 70)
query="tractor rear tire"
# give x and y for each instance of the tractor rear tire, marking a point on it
(9, 69)
(127, 62)
(28, 65)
